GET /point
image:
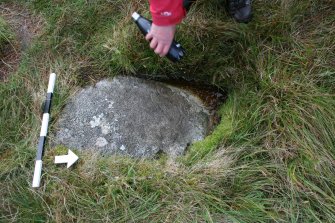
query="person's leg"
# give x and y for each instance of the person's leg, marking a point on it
(240, 10)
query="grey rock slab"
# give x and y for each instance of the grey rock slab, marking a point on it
(132, 116)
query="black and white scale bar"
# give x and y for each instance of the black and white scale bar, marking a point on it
(44, 131)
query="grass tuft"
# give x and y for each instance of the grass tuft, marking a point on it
(6, 37)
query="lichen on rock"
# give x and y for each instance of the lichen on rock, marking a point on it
(132, 116)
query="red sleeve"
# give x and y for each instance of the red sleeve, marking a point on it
(167, 12)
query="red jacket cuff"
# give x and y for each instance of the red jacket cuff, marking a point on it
(167, 12)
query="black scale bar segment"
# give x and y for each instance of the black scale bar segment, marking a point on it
(47, 103)
(40, 148)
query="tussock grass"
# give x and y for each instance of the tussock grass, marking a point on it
(271, 159)
(6, 35)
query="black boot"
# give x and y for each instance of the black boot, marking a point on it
(240, 10)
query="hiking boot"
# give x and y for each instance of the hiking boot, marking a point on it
(240, 10)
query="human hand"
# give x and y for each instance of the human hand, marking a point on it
(160, 38)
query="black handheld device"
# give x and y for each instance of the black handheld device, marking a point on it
(176, 51)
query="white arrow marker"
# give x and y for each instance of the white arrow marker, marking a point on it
(70, 158)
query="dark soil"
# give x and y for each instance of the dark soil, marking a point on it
(26, 26)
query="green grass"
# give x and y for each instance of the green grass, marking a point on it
(6, 35)
(271, 158)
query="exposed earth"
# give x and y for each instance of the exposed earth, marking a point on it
(26, 26)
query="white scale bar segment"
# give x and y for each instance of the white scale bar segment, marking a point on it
(37, 173)
(45, 123)
(51, 84)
